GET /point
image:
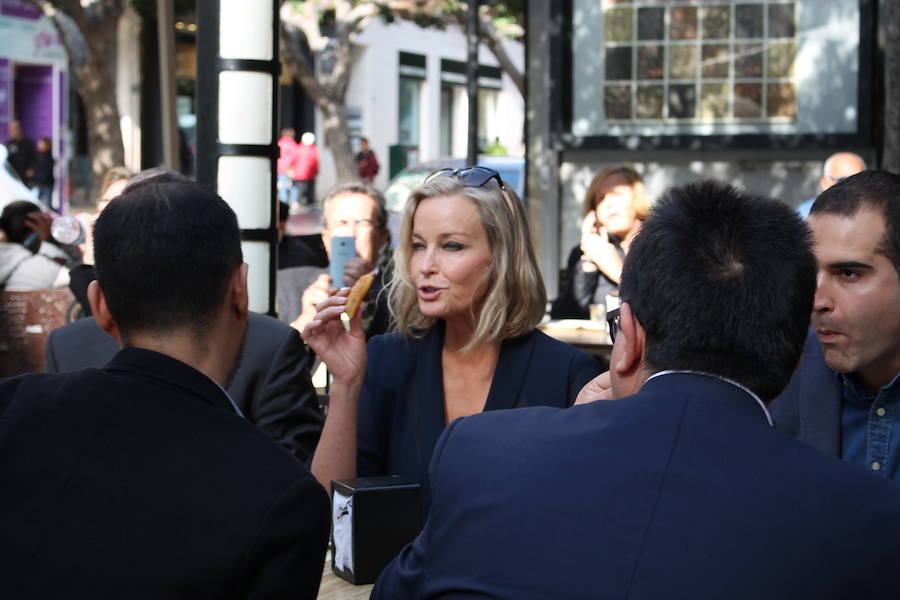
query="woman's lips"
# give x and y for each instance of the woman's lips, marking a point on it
(429, 293)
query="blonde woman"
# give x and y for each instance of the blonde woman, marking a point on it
(466, 296)
(615, 205)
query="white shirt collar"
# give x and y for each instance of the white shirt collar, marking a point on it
(762, 405)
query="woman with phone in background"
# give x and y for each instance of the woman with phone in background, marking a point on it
(615, 205)
(466, 296)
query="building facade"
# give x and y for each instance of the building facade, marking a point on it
(754, 92)
(34, 84)
(407, 93)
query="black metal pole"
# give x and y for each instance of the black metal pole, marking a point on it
(210, 148)
(472, 80)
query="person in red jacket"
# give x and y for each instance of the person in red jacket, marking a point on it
(366, 161)
(287, 147)
(304, 169)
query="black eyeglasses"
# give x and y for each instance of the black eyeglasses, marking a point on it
(473, 177)
(612, 324)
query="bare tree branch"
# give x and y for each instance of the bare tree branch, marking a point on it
(494, 41)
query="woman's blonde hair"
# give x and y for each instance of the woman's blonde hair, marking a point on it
(639, 200)
(515, 299)
(113, 175)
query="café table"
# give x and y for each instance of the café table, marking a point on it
(335, 588)
(589, 336)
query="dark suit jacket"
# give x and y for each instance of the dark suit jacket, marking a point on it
(140, 481)
(401, 408)
(681, 491)
(809, 409)
(272, 386)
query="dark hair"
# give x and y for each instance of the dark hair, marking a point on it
(164, 254)
(722, 282)
(12, 220)
(878, 190)
(359, 187)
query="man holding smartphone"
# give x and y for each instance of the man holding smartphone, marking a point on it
(356, 238)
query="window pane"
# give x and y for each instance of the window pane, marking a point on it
(650, 62)
(781, 20)
(618, 63)
(651, 23)
(618, 24)
(683, 23)
(748, 21)
(408, 126)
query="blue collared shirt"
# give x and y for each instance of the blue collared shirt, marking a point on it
(870, 427)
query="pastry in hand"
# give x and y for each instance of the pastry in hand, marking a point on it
(358, 292)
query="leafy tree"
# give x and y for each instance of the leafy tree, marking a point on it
(88, 30)
(328, 29)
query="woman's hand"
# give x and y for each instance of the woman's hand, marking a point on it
(597, 248)
(344, 352)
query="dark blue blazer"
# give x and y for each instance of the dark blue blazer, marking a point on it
(139, 480)
(683, 490)
(401, 408)
(809, 409)
(272, 385)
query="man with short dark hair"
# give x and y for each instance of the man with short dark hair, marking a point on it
(681, 488)
(142, 479)
(845, 398)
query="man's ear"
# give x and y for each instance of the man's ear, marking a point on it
(630, 357)
(101, 311)
(238, 297)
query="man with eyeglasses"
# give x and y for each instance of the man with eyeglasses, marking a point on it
(357, 210)
(837, 168)
(845, 397)
(681, 488)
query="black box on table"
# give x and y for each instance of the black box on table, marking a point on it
(383, 515)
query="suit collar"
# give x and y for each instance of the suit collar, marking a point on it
(723, 392)
(759, 402)
(169, 372)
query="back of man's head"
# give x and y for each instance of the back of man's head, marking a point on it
(873, 189)
(722, 282)
(13, 220)
(164, 254)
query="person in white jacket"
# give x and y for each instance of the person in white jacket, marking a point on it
(22, 267)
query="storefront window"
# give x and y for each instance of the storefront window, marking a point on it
(714, 66)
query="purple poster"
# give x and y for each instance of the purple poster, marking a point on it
(34, 99)
(19, 8)
(5, 98)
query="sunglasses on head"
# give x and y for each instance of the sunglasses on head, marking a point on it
(473, 177)
(612, 324)
(469, 176)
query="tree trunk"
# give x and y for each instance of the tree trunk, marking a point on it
(890, 158)
(97, 90)
(337, 138)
